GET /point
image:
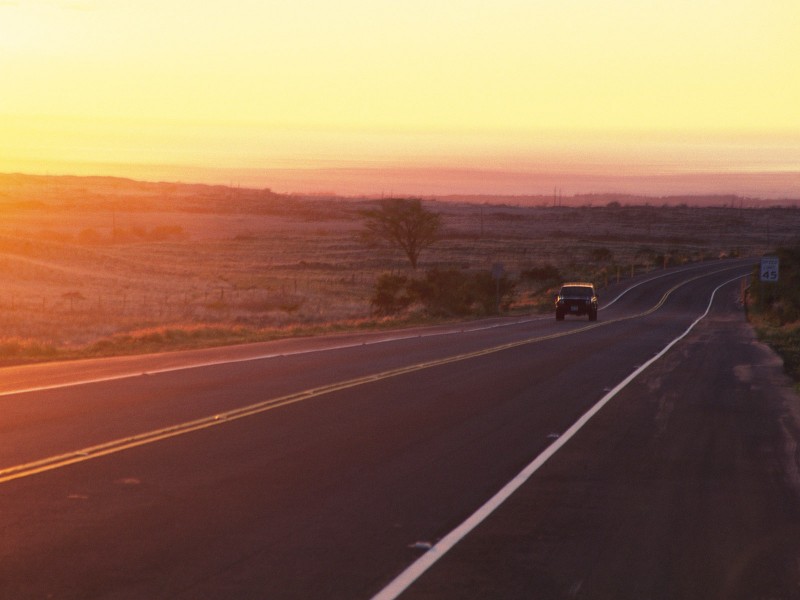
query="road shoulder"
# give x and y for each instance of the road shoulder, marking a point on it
(685, 486)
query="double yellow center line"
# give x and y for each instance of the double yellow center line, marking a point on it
(127, 443)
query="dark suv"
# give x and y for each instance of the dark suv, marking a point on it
(576, 298)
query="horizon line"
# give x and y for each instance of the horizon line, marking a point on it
(435, 181)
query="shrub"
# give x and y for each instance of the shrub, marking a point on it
(391, 294)
(492, 295)
(444, 293)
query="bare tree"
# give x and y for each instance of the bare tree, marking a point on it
(403, 223)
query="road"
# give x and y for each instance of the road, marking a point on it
(328, 468)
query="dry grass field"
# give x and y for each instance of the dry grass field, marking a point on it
(95, 266)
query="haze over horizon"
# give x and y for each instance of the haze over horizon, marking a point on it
(425, 98)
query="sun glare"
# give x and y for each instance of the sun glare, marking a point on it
(511, 85)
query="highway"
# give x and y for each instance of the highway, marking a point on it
(650, 454)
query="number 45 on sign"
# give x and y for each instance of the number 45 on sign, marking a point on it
(769, 268)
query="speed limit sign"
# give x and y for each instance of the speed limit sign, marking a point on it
(769, 268)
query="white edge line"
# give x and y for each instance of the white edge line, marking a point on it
(438, 550)
(132, 374)
(215, 363)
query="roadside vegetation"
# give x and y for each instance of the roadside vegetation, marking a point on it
(103, 266)
(444, 293)
(403, 223)
(774, 309)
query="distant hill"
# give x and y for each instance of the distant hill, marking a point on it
(28, 190)
(724, 201)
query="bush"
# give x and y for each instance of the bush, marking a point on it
(391, 294)
(444, 293)
(489, 292)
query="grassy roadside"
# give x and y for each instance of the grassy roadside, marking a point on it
(191, 337)
(774, 310)
(101, 267)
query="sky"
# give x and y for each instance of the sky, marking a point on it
(348, 96)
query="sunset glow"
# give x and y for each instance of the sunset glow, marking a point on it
(221, 91)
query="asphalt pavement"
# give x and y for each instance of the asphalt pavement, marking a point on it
(327, 468)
